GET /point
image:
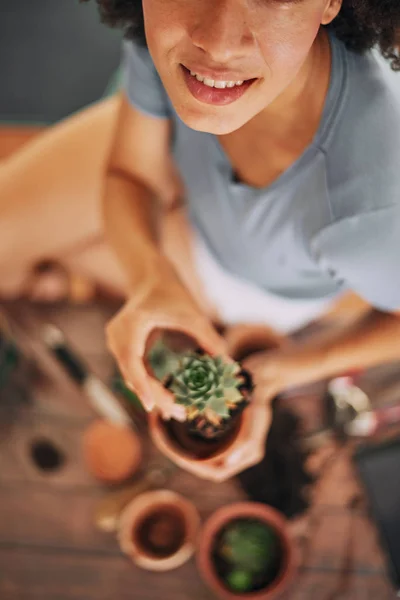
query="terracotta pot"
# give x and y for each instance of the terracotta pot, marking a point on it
(165, 442)
(149, 506)
(112, 453)
(245, 510)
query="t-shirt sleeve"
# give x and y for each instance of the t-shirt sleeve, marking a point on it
(142, 83)
(363, 252)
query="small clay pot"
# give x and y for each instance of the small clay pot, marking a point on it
(213, 527)
(158, 530)
(195, 446)
(112, 453)
(162, 435)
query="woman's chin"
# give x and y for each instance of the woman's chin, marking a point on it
(219, 122)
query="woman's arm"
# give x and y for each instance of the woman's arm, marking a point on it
(140, 181)
(371, 341)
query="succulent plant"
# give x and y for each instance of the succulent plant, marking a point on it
(250, 546)
(240, 581)
(163, 360)
(209, 388)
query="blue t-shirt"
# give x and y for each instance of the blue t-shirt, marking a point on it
(329, 223)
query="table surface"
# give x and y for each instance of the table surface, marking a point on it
(50, 548)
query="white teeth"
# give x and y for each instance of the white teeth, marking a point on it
(209, 82)
(214, 83)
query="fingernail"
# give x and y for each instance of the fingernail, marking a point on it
(149, 403)
(178, 413)
(145, 399)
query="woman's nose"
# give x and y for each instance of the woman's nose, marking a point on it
(221, 29)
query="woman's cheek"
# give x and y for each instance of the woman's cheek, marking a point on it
(285, 37)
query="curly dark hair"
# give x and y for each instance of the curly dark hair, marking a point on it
(361, 24)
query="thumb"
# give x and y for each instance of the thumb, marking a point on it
(164, 401)
(210, 340)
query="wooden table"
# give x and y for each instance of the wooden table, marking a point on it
(51, 550)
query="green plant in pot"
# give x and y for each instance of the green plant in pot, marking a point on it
(251, 554)
(214, 394)
(245, 551)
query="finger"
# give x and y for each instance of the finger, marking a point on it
(137, 376)
(241, 461)
(215, 474)
(249, 453)
(236, 457)
(263, 395)
(165, 402)
(255, 361)
(208, 338)
(202, 331)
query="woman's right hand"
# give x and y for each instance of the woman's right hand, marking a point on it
(161, 303)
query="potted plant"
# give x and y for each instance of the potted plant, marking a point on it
(245, 552)
(215, 395)
(158, 530)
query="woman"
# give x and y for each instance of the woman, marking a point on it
(278, 128)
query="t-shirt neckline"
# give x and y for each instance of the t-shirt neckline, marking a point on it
(332, 108)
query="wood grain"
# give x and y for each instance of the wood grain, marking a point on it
(34, 574)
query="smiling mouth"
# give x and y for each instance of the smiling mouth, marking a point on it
(215, 91)
(219, 84)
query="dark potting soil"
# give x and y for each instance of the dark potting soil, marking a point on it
(46, 456)
(280, 479)
(195, 445)
(161, 533)
(262, 580)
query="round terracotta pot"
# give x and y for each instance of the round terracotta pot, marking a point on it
(148, 506)
(112, 453)
(245, 510)
(163, 440)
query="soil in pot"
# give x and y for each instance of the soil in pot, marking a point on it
(247, 556)
(161, 533)
(184, 437)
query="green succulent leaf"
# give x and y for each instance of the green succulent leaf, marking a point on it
(218, 406)
(240, 581)
(207, 383)
(163, 360)
(250, 546)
